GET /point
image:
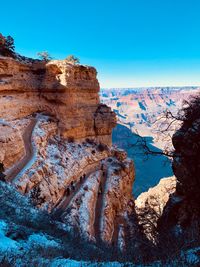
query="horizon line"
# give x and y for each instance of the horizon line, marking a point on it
(149, 87)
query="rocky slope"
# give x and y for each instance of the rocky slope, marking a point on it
(56, 147)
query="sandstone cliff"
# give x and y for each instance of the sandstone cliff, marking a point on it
(66, 91)
(56, 146)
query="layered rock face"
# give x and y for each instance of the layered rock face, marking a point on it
(139, 108)
(56, 147)
(68, 92)
(11, 142)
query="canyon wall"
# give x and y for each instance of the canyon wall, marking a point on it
(139, 108)
(56, 147)
(66, 91)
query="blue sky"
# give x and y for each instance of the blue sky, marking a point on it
(131, 42)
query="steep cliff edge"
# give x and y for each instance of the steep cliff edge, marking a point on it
(55, 140)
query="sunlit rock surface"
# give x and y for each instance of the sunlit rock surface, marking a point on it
(68, 92)
(57, 147)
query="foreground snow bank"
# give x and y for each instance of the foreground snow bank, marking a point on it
(73, 263)
(6, 244)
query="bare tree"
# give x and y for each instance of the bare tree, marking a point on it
(163, 129)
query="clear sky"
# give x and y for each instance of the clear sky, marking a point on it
(131, 42)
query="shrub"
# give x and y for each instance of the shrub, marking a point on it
(101, 147)
(10, 43)
(72, 59)
(7, 46)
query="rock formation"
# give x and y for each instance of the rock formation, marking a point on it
(56, 146)
(68, 92)
(150, 205)
(186, 167)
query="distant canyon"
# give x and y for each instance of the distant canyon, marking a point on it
(139, 111)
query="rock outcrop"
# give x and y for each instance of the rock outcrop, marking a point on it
(68, 92)
(56, 147)
(150, 205)
(11, 143)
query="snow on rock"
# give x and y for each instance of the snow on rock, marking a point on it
(57, 162)
(81, 211)
(118, 193)
(158, 194)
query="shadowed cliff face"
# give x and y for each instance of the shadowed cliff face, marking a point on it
(186, 164)
(179, 224)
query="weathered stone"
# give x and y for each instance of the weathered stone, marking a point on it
(68, 92)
